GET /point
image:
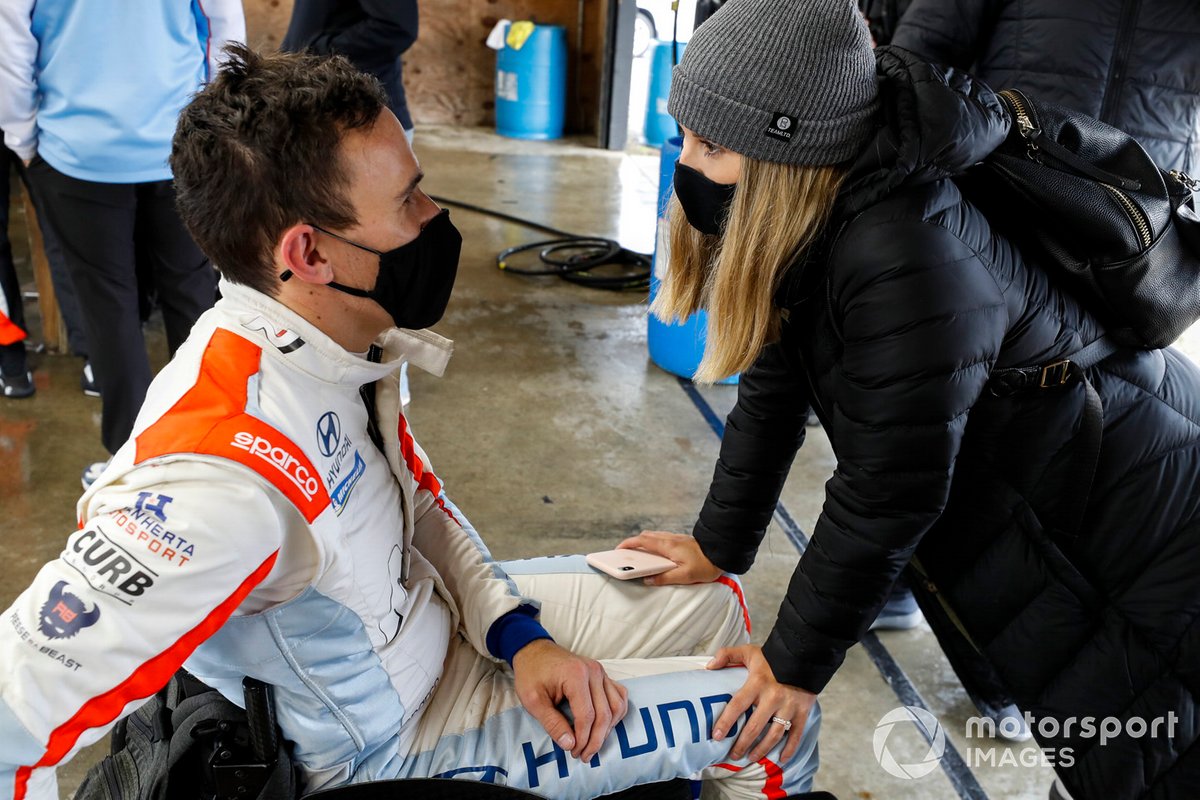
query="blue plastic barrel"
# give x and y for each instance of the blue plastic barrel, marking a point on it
(676, 348)
(660, 126)
(531, 85)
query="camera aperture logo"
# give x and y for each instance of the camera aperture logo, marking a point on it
(928, 725)
(982, 749)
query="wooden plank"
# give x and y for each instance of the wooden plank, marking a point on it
(450, 73)
(54, 330)
(589, 89)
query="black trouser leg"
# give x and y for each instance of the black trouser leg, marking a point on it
(185, 281)
(95, 223)
(12, 356)
(60, 276)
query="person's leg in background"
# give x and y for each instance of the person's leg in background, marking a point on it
(64, 287)
(184, 280)
(95, 223)
(476, 729)
(900, 612)
(15, 380)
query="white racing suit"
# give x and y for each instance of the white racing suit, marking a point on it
(250, 526)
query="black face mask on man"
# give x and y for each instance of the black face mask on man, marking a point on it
(705, 202)
(414, 279)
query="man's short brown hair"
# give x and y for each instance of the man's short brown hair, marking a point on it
(257, 151)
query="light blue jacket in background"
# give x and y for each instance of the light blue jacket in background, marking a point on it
(95, 87)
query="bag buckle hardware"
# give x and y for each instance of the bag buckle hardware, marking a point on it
(1056, 374)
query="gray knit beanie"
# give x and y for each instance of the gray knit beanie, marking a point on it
(788, 81)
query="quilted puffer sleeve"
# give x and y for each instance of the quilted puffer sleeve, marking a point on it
(921, 321)
(762, 435)
(953, 33)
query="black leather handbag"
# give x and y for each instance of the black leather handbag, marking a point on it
(1084, 201)
(1087, 202)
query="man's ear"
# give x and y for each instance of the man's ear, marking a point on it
(297, 254)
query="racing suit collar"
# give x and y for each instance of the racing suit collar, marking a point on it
(423, 349)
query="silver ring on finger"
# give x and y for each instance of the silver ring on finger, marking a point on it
(786, 723)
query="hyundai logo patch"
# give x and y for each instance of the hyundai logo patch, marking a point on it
(329, 433)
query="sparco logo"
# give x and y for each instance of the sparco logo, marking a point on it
(281, 459)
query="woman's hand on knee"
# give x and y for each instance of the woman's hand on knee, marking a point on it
(692, 565)
(780, 711)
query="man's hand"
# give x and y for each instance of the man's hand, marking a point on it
(546, 674)
(694, 566)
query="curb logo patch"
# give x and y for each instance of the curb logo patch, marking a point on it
(780, 127)
(64, 614)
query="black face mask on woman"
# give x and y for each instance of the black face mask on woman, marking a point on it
(705, 203)
(414, 279)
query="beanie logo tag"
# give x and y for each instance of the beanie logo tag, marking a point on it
(781, 127)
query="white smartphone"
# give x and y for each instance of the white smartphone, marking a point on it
(628, 564)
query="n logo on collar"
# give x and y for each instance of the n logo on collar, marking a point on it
(285, 341)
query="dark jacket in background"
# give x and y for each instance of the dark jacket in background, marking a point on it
(372, 34)
(882, 18)
(1134, 64)
(890, 335)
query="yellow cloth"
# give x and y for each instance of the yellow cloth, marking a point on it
(519, 33)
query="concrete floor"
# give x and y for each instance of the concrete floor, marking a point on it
(555, 434)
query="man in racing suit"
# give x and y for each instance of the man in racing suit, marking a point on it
(272, 515)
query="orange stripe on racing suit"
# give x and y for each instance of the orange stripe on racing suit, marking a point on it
(211, 419)
(773, 786)
(145, 680)
(425, 478)
(737, 590)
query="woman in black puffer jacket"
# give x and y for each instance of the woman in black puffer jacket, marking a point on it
(844, 271)
(1131, 63)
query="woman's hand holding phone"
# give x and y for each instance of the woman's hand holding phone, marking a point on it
(692, 565)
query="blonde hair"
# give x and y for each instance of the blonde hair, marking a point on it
(778, 211)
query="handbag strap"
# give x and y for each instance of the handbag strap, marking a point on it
(1077, 480)
(1074, 488)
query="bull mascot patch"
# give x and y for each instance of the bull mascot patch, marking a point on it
(65, 614)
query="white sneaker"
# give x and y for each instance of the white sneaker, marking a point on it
(899, 613)
(93, 472)
(87, 381)
(1011, 725)
(17, 386)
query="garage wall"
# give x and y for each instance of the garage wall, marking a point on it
(449, 73)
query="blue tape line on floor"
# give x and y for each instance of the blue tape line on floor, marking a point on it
(957, 771)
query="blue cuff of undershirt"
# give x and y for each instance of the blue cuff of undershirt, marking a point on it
(513, 631)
